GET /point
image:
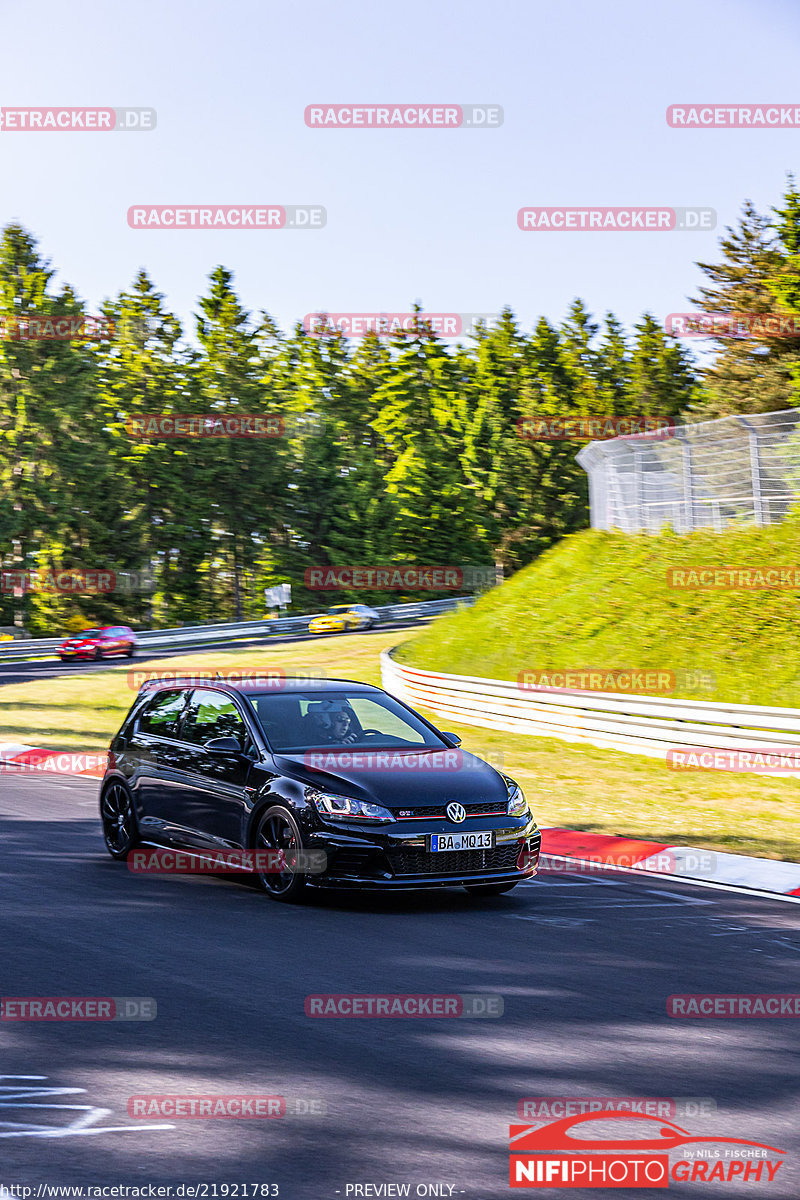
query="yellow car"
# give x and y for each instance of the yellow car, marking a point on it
(344, 618)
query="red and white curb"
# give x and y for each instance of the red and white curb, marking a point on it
(567, 850)
(19, 759)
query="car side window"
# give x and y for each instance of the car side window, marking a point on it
(162, 714)
(212, 715)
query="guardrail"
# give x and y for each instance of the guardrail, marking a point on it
(645, 725)
(197, 635)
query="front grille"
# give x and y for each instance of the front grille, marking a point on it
(436, 812)
(455, 862)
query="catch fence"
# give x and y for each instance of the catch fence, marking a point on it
(704, 475)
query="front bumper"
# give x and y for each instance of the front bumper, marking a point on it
(396, 862)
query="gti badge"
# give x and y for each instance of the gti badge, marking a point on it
(456, 813)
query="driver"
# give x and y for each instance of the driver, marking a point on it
(342, 724)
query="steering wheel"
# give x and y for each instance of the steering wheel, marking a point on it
(372, 733)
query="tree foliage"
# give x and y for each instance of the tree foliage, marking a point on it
(404, 450)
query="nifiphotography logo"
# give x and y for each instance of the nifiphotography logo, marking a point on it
(587, 1151)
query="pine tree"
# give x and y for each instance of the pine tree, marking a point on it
(245, 475)
(748, 374)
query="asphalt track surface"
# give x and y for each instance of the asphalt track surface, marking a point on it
(51, 668)
(584, 965)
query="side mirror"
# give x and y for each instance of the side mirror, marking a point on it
(453, 738)
(224, 747)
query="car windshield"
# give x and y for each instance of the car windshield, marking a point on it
(339, 608)
(308, 720)
(87, 633)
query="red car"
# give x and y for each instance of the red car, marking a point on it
(99, 643)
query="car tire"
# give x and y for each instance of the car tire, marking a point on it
(118, 817)
(98, 654)
(278, 830)
(489, 889)
(131, 651)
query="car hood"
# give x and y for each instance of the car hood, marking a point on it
(397, 778)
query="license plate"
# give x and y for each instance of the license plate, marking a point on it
(442, 842)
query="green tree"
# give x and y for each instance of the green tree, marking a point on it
(748, 374)
(246, 476)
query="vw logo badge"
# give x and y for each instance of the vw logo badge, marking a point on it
(456, 812)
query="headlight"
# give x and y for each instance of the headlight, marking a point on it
(517, 804)
(346, 808)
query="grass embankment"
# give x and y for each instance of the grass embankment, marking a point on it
(574, 786)
(601, 600)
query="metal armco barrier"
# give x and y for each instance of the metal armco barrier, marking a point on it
(641, 725)
(197, 635)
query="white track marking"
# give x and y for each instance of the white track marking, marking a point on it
(80, 1126)
(684, 880)
(682, 899)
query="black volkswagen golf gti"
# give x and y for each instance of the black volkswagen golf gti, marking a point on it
(352, 786)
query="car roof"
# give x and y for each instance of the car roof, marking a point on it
(291, 683)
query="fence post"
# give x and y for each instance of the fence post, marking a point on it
(755, 473)
(688, 482)
(638, 484)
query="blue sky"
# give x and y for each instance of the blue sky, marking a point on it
(426, 216)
